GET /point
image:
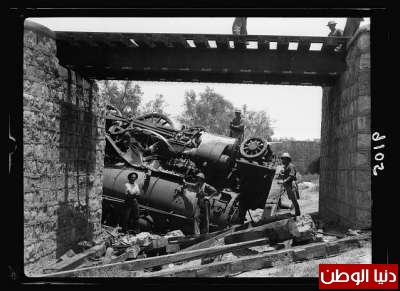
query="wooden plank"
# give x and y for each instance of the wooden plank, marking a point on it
(222, 268)
(76, 260)
(160, 260)
(269, 259)
(276, 217)
(209, 242)
(276, 231)
(203, 236)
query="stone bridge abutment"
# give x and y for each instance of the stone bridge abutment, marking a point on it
(345, 180)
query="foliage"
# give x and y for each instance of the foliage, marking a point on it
(210, 110)
(257, 123)
(214, 112)
(127, 98)
(156, 105)
(123, 95)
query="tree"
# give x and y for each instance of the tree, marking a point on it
(211, 110)
(156, 105)
(257, 123)
(123, 95)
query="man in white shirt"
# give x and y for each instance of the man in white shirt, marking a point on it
(133, 191)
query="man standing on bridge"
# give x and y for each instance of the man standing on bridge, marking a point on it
(288, 176)
(237, 126)
(239, 26)
(334, 31)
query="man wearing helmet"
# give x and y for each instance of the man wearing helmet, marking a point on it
(288, 176)
(202, 207)
(334, 31)
(237, 126)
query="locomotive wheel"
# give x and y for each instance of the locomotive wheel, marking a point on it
(253, 148)
(157, 119)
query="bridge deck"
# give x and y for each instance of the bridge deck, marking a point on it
(262, 59)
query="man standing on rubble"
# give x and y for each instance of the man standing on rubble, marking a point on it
(133, 190)
(237, 126)
(288, 176)
(202, 208)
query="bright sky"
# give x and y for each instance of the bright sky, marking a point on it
(296, 110)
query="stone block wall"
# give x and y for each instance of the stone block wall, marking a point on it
(345, 180)
(303, 152)
(63, 135)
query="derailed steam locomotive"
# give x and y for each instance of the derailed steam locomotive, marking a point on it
(241, 173)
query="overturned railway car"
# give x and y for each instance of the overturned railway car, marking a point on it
(241, 173)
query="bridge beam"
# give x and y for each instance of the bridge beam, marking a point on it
(205, 65)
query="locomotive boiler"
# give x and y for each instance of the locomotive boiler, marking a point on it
(241, 173)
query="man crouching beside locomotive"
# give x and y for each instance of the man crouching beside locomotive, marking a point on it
(132, 191)
(288, 176)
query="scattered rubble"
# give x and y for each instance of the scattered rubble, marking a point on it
(239, 248)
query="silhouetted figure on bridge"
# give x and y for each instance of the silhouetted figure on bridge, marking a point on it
(334, 31)
(239, 26)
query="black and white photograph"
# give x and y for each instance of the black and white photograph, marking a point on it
(195, 146)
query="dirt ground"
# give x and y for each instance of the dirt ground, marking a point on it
(309, 204)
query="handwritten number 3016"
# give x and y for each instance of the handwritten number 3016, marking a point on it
(378, 156)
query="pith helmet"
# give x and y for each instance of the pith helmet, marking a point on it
(286, 155)
(332, 22)
(237, 110)
(201, 176)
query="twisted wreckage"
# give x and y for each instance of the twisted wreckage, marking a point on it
(241, 173)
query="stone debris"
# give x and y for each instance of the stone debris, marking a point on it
(174, 233)
(85, 245)
(119, 246)
(108, 255)
(149, 255)
(255, 214)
